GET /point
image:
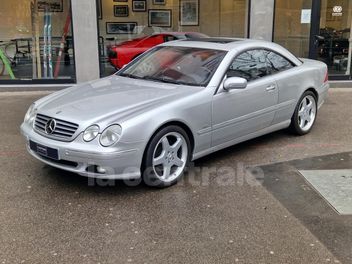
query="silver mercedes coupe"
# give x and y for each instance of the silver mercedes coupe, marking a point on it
(175, 103)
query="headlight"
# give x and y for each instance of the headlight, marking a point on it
(30, 115)
(111, 135)
(91, 133)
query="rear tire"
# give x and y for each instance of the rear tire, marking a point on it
(305, 114)
(166, 157)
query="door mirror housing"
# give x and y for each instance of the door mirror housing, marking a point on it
(235, 83)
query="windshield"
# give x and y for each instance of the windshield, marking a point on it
(178, 65)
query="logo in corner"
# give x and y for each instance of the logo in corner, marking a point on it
(337, 9)
(50, 126)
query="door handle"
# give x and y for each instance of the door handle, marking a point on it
(271, 88)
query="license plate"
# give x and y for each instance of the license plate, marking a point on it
(44, 151)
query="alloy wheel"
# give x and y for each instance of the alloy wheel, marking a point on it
(307, 113)
(170, 157)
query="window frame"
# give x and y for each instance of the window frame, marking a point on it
(280, 55)
(220, 88)
(262, 49)
(233, 61)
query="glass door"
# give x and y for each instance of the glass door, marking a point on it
(332, 44)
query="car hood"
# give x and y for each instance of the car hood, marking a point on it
(110, 97)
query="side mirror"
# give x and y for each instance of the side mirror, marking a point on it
(235, 83)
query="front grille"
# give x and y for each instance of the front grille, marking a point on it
(63, 130)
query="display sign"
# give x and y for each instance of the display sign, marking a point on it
(306, 16)
(337, 11)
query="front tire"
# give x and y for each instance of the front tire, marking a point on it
(305, 114)
(166, 157)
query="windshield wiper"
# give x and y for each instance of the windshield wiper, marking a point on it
(168, 80)
(128, 75)
(164, 80)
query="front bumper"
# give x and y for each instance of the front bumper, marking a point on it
(83, 158)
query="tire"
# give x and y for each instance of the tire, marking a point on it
(166, 157)
(305, 114)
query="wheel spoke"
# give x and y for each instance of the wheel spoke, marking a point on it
(165, 144)
(159, 160)
(167, 171)
(177, 145)
(302, 122)
(310, 105)
(178, 162)
(309, 118)
(301, 113)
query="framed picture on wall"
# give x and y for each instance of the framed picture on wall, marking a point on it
(139, 5)
(159, 2)
(120, 27)
(189, 12)
(121, 11)
(160, 17)
(99, 9)
(50, 5)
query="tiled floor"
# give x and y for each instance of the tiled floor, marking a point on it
(335, 186)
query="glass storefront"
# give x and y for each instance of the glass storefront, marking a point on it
(291, 28)
(334, 46)
(36, 36)
(318, 29)
(129, 27)
(36, 43)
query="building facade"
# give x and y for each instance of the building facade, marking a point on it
(63, 42)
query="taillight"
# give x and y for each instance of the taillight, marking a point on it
(326, 77)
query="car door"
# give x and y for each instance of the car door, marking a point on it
(288, 85)
(239, 113)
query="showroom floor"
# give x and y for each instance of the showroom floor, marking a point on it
(250, 203)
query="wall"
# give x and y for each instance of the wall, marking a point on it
(217, 17)
(262, 15)
(85, 39)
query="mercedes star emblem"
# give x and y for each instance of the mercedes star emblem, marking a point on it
(50, 126)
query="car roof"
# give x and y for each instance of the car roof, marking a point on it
(229, 44)
(225, 44)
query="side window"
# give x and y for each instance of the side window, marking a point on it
(250, 65)
(277, 63)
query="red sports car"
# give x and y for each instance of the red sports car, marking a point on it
(121, 54)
